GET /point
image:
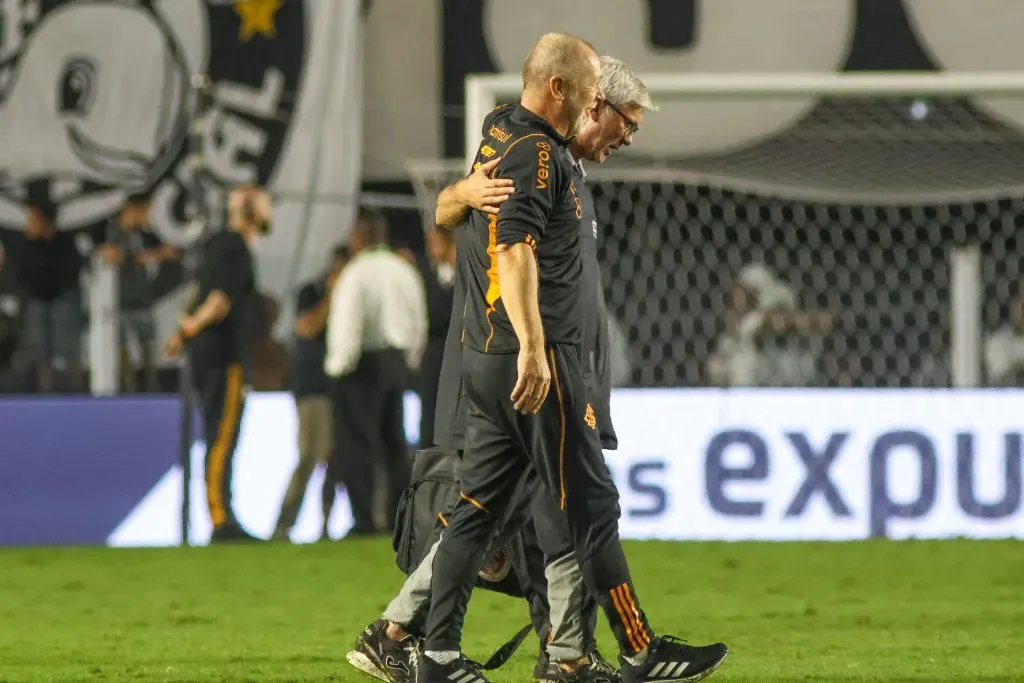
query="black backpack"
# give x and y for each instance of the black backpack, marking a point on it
(423, 512)
(425, 506)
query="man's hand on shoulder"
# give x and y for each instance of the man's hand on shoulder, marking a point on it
(481, 192)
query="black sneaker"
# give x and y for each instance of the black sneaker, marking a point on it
(599, 670)
(461, 670)
(382, 657)
(670, 660)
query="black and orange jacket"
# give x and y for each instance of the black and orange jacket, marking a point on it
(544, 212)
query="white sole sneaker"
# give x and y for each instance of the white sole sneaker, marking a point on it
(365, 664)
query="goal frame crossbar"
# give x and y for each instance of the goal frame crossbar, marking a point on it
(484, 91)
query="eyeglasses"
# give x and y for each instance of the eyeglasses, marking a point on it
(631, 126)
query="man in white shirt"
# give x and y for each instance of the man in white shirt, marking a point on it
(376, 330)
(736, 358)
(1004, 350)
(768, 341)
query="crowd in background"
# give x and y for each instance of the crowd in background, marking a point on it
(766, 337)
(44, 273)
(43, 312)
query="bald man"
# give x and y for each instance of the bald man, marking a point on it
(217, 329)
(521, 333)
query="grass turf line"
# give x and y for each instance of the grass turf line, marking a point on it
(871, 611)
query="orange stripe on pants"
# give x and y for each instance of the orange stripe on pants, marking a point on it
(221, 449)
(645, 637)
(561, 438)
(635, 635)
(472, 501)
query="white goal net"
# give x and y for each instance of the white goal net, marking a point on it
(872, 218)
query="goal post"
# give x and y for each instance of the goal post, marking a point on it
(888, 200)
(485, 91)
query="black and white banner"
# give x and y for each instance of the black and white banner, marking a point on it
(95, 103)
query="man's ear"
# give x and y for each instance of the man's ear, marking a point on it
(557, 87)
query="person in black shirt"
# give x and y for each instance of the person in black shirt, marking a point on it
(139, 254)
(568, 649)
(439, 278)
(561, 76)
(269, 361)
(533, 152)
(218, 328)
(522, 331)
(49, 267)
(312, 398)
(10, 320)
(566, 631)
(381, 648)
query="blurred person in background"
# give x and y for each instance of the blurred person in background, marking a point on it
(312, 400)
(270, 363)
(791, 341)
(376, 331)
(217, 327)
(734, 359)
(439, 278)
(767, 341)
(10, 319)
(1004, 350)
(49, 269)
(139, 254)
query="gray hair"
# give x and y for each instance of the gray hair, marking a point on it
(622, 87)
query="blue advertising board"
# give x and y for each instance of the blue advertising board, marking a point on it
(692, 465)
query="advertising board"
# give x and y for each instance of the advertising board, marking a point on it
(692, 465)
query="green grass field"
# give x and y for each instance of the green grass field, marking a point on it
(877, 611)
